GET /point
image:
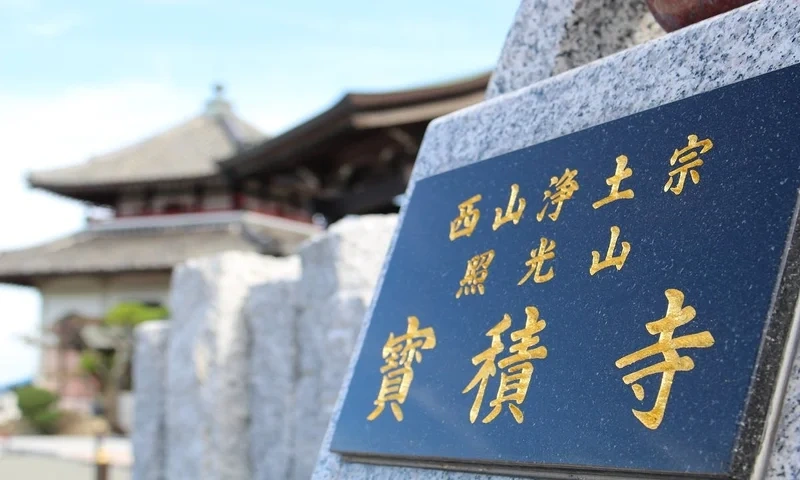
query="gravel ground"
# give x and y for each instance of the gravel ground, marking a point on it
(30, 467)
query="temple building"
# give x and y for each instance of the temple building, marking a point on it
(215, 183)
(168, 203)
(356, 157)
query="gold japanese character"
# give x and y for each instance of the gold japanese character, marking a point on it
(688, 159)
(611, 260)
(565, 187)
(476, 274)
(546, 251)
(510, 215)
(400, 353)
(467, 218)
(517, 367)
(488, 367)
(621, 173)
(666, 345)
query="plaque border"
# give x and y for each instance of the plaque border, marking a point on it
(761, 414)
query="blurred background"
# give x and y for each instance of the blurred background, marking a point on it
(139, 133)
(91, 78)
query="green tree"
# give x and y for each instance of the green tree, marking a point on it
(39, 407)
(110, 348)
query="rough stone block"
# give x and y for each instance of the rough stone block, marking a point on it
(272, 312)
(208, 366)
(327, 336)
(348, 256)
(340, 270)
(549, 37)
(148, 435)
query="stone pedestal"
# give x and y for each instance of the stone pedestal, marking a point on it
(208, 366)
(149, 380)
(744, 43)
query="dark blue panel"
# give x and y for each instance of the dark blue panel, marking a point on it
(720, 242)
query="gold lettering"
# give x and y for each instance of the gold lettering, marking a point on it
(611, 260)
(676, 316)
(565, 187)
(689, 162)
(467, 219)
(515, 380)
(400, 353)
(476, 274)
(621, 173)
(538, 257)
(510, 215)
(488, 367)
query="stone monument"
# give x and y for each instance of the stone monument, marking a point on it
(596, 274)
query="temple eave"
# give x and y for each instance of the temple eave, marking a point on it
(122, 247)
(358, 112)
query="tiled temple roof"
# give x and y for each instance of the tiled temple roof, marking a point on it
(103, 250)
(188, 151)
(359, 112)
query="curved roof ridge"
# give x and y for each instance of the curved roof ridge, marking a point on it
(187, 150)
(396, 107)
(420, 92)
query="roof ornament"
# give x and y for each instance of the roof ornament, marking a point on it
(218, 105)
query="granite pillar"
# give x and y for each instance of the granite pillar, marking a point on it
(148, 436)
(744, 43)
(208, 366)
(272, 311)
(340, 269)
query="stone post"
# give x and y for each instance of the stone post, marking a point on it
(208, 366)
(149, 384)
(272, 312)
(340, 269)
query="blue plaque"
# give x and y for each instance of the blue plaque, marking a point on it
(611, 303)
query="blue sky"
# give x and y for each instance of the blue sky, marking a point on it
(83, 78)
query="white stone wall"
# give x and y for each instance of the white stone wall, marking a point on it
(217, 201)
(131, 204)
(94, 296)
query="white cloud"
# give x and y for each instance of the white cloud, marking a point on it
(49, 131)
(55, 27)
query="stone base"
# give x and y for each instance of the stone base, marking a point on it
(747, 42)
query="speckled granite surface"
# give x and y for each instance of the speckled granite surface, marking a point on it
(785, 460)
(742, 44)
(552, 36)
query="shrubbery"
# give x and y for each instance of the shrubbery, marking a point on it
(39, 407)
